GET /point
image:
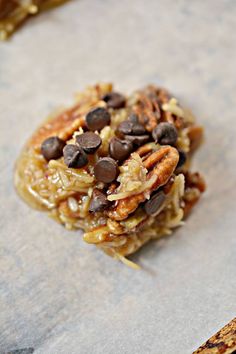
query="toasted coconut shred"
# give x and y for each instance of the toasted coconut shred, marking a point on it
(130, 217)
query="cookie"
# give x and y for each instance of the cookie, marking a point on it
(14, 13)
(115, 166)
(223, 342)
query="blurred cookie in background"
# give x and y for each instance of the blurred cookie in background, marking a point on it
(13, 13)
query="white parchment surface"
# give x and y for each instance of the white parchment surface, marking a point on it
(62, 296)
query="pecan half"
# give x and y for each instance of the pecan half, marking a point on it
(66, 123)
(145, 150)
(6, 7)
(147, 108)
(161, 164)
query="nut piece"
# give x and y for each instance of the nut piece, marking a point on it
(147, 108)
(160, 164)
(195, 134)
(194, 186)
(223, 342)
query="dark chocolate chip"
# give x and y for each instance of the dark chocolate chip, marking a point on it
(153, 205)
(125, 127)
(99, 201)
(130, 128)
(114, 100)
(120, 149)
(98, 118)
(106, 170)
(165, 134)
(138, 129)
(182, 158)
(89, 142)
(133, 118)
(52, 148)
(74, 156)
(137, 140)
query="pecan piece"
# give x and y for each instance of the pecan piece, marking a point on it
(145, 150)
(223, 342)
(194, 186)
(64, 124)
(195, 134)
(147, 108)
(160, 164)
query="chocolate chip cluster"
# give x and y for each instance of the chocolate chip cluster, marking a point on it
(75, 155)
(130, 135)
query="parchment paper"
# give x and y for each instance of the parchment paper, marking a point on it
(60, 295)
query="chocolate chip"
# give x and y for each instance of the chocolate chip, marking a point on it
(165, 134)
(182, 158)
(114, 100)
(74, 156)
(125, 127)
(138, 129)
(153, 205)
(106, 170)
(98, 118)
(130, 128)
(120, 149)
(89, 142)
(137, 140)
(52, 148)
(99, 201)
(133, 118)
